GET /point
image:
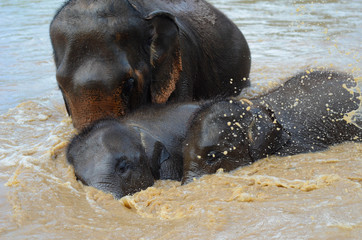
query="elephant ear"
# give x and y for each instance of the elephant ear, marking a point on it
(165, 56)
(162, 164)
(160, 156)
(156, 152)
(266, 135)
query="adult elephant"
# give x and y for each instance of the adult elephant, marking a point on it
(113, 56)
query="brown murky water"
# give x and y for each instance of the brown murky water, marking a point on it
(307, 196)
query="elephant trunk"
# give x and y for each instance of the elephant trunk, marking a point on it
(94, 104)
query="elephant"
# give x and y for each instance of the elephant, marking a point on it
(124, 156)
(114, 56)
(308, 113)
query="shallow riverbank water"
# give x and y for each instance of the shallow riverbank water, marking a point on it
(307, 196)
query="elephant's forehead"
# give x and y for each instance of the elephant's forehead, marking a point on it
(120, 139)
(103, 8)
(104, 14)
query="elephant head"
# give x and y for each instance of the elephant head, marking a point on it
(116, 158)
(229, 135)
(109, 54)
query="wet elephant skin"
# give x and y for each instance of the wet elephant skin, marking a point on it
(114, 56)
(308, 113)
(125, 156)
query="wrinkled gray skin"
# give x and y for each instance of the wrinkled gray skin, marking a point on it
(113, 56)
(305, 114)
(125, 156)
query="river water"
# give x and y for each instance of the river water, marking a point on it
(307, 196)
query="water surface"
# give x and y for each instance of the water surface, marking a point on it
(308, 196)
(26, 62)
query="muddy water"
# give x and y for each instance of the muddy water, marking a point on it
(308, 196)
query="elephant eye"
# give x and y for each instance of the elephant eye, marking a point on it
(122, 166)
(214, 157)
(128, 86)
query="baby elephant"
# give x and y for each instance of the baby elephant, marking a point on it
(307, 113)
(125, 156)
